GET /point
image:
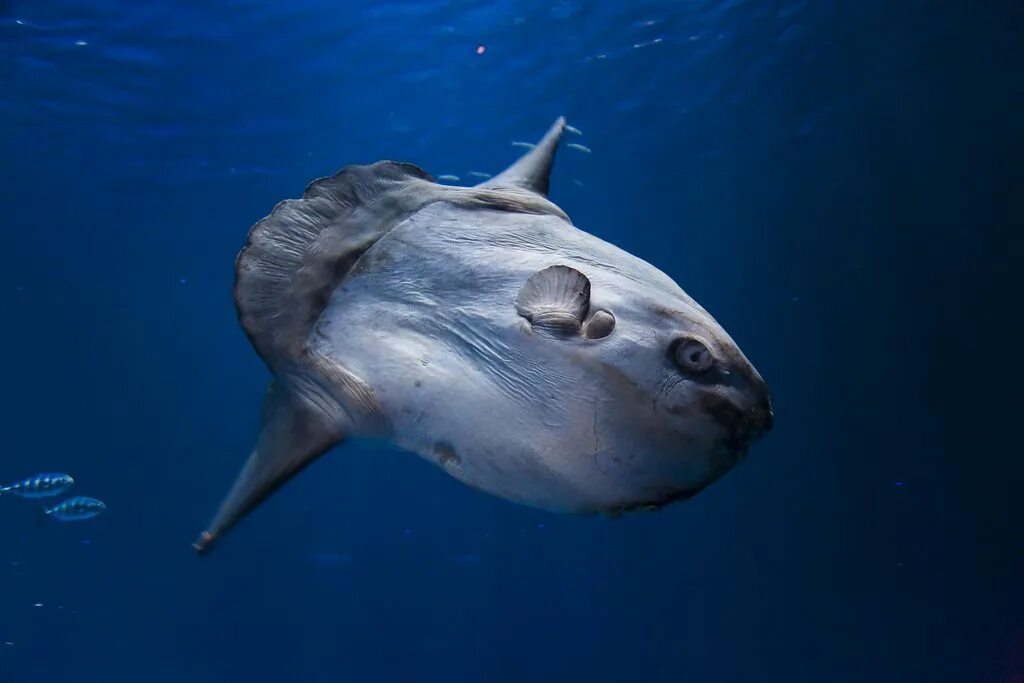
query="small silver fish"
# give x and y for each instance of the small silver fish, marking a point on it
(478, 174)
(526, 145)
(39, 486)
(448, 178)
(77, 508)
(577, 146)
(573, 130)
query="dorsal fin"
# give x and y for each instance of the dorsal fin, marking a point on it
(533, 170)
(294, 258)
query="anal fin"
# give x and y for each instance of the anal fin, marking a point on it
(298, 427)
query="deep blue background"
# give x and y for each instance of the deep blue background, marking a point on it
(840, 184)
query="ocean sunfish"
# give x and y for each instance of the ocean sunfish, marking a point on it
(479, 328)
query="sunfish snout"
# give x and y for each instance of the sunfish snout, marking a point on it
(762, 416)
(735, 396)
(750, 415)
(759, 412)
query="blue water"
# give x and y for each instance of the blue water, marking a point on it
(840, 184)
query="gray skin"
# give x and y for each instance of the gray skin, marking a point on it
(478, 328)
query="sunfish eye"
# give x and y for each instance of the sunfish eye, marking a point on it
(692, 356)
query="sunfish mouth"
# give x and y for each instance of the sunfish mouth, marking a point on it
(742, 424)
(760, 420)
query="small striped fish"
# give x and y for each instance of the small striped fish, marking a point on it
(74, 509)
(39, 486)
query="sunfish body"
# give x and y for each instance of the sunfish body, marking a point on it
(480, 329)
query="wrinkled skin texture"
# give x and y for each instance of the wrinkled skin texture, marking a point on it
(427, 318)
(479, 328)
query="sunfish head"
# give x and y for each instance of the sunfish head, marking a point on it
(673, 402)
(667, 401)
(693, 399)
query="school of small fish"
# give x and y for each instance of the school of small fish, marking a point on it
(48, 485)
(452, 178)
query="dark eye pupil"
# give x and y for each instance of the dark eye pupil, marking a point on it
(693, 356)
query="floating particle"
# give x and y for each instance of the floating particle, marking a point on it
(182, 280)
(8, 643)
(899, 484)
(37, 604)
(81, 43)
(577, 182)
(480, 49)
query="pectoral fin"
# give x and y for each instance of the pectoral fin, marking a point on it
(555, 301)
(296, 430)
